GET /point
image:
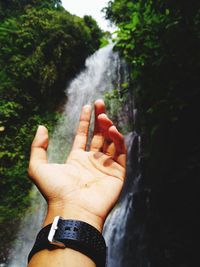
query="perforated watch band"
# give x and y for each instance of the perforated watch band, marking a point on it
(73, 234)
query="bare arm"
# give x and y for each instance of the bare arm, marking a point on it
(86, 187)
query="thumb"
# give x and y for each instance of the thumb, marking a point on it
(39, 147)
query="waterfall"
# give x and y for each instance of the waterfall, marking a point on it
(101, 74)
(28, 229)
(118, 236)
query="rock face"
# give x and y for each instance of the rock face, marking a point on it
(156, 221)
(171, 178)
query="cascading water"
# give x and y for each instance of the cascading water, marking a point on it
(118, 237)
(27, 232)
(100, 75)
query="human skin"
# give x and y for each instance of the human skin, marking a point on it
(85, 187)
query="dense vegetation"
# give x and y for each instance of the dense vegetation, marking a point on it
(160, 40)
(42, 47)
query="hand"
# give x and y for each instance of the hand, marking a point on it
(88, 185)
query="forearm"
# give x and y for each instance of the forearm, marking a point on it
(65, 257)
(82, 191)
(60, 258)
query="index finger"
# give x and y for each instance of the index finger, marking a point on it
(97, 139)
(80, 141)
(99, 108)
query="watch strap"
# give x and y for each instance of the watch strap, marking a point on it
(73, 234)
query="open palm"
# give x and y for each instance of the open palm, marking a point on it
(89, 183)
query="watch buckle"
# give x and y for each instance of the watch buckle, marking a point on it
(52, 232)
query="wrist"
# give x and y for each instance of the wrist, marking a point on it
(72, 212)
(57, 238)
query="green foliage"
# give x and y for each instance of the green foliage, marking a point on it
(95, 32)
(15, 7)
(117, 108)
(160, 40)
(14, 157)
(106, 39)
(104, 42)
(114, 103)
(42, 47)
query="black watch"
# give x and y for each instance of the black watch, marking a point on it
(73, 234)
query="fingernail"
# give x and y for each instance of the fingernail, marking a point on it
(40, 128)
(102, 115)
(114, 127)
(87, 106)
(99, 100)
